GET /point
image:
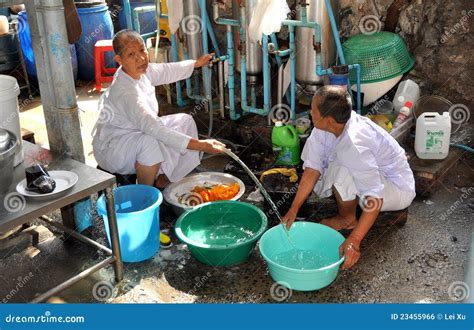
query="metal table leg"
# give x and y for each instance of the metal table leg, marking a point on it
(114, 237)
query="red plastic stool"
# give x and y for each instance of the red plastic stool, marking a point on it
(102, 73)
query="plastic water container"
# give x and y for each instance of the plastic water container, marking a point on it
(286, 142)
(433, 132)
(407, 91)
(27, 47)
(9, 115)
(137, 207)
(96, 25)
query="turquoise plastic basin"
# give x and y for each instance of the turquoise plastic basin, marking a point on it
(314, 263)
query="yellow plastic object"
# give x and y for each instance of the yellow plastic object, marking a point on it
(382, 120)
(164, 239)
(163, 24)
(291, 172)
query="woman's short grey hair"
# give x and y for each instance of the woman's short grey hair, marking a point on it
(121, 39)
(334, 101)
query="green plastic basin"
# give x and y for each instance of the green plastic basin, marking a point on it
(221, 233)
(309, 262)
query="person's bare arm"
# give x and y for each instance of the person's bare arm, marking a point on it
(209, 146)
(351, 246)
(306, 185)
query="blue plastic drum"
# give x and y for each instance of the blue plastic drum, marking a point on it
(27, 47)
(96, 25)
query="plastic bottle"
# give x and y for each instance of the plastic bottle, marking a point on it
(433, 132)
(286, 143)
(407, 91)
(403, 115)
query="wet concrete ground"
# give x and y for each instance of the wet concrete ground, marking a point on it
(415, 263)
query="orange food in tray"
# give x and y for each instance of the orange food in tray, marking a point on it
(217, 192)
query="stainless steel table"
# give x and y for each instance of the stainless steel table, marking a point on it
(16, 210)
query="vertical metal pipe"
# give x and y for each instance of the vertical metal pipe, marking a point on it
(230, 51)
(114, 234)
(221, 88)
(243, 48)
(205, 46)
(179, 93)
(58, 59)
(266, 76)
(293, 71)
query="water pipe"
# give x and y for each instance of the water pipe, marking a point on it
(243, 68)
(335, 32)
(278, 56)
(340, 53)
(205, 47)
(230, 57)
(128, 13)
(179, 93)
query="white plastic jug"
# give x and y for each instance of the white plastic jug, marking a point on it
(407, 91)
(433, 132)
(9, 115)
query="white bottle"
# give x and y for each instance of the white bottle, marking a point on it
(403, 115)
(433, 132)
(407, 91)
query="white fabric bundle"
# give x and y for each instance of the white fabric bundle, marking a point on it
(267, 17)
(175, 14)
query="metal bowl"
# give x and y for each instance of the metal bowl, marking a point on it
(176, 189)
(8, 147)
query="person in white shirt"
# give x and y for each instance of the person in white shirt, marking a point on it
(129, 135)
(356, 160)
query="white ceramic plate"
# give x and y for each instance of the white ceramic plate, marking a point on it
(64, 180)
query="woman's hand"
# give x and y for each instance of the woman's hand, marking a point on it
(211, 146)
(351, 249)
(203, 60)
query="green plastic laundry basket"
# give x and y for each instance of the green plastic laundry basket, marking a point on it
(382, 56)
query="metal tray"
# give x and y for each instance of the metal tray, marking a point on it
(185, 185)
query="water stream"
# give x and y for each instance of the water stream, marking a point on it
(295, 257)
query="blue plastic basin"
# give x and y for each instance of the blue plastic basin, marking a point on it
(314, 263)
(137, 207)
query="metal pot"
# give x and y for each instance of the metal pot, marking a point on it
(8, 147)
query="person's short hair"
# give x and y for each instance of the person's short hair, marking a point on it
(121, 38)
(334, 101)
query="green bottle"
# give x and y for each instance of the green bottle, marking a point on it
(286, 142)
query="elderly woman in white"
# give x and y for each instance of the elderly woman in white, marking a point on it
(129, 136)
(353, 158)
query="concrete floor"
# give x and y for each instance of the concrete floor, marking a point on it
(415, 263)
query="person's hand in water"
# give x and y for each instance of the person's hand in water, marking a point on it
(289, 218)
(351, 250)
(203, 60)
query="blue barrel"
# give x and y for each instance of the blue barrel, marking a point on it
(96, 25)
(147, 20)
(27, 47)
